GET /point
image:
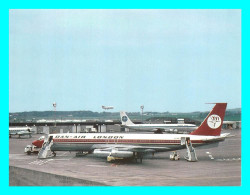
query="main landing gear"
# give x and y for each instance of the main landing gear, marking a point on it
(138, 156)
(158, 131)
(81, 153)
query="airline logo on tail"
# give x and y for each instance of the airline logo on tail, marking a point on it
(124, 118)
(211, 126)
(214, 121)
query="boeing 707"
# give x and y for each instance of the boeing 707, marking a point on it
(156, 128)
(121, 146)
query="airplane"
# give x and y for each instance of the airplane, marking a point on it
(156, 128)
(116, 146)
(107, 107)
(20, 131)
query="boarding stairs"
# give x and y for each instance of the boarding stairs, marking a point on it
(191, 154)
(45, 151)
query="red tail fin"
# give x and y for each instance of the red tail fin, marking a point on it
(213, 123)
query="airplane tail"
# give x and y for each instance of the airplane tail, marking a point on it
(125, 120)
(213, 122)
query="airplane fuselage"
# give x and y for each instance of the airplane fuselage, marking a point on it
(19, 131)
(90, 141)
(189, 127)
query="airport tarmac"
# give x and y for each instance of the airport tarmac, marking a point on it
(219, 166)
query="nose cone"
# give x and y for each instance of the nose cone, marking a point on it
(38, 143)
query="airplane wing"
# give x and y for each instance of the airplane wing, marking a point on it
(20, 133)
(132, 148)
(218, 138)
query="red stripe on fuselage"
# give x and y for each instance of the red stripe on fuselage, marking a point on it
(127, 141)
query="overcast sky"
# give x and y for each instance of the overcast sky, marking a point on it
(167, 60)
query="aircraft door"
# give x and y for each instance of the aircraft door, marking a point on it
(50, 139)
(183, 141)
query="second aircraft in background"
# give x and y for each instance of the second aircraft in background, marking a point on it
(156, 128)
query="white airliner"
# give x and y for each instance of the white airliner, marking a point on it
(20, 131)
(157, 128)
(116, 145)
(107, 107)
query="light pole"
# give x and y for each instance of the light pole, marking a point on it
(142, 107)
(54, 105)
